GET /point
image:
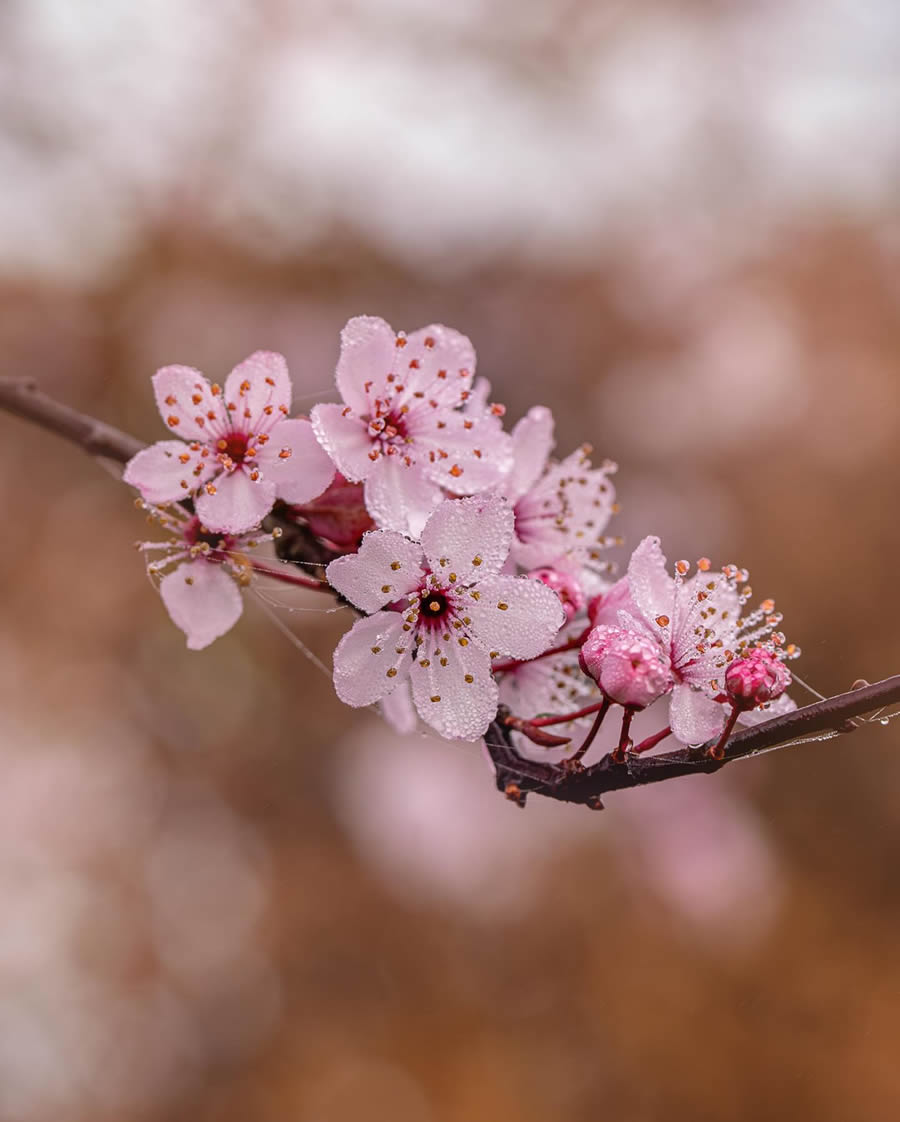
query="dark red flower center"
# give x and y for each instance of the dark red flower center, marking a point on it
(234, 446)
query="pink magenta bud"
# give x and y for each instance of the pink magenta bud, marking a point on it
(566, 588)
(757, 677)
(628, 667)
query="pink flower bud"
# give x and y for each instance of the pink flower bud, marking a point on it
(629, 668)
(758, 677)
(566, 588)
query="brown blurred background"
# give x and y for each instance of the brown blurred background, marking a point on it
(225, 897)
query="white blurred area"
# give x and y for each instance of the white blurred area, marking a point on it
(445, 134)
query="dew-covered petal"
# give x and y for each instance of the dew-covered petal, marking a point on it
(167, 471)
(295, 462)
(776, 708)
(258, 392)
(532, 440)
(515, 615)
(453, 689)
(234, 503)
(398, 710)
(187, 404)
(387, 567)
(438, 362)
(400, 497)
(461, 454)
(652, 588)
(368, 346)
(694, 716)
(469, 537)
(371, 659)
(345, 439)
(202, 599)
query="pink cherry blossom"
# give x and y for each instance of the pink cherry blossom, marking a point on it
(401, 427)
(696, 624)
(238, 451)
(628, 666)
(201, 573)
(451, 611)
(759, 676)
(566, 586)
(561, 508)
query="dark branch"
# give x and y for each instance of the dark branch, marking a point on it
(518, 776)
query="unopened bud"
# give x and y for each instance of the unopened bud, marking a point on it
(758, 677)
(629, 668)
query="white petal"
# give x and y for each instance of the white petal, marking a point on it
(345, 438)
(533, 442)
(202, 600)
(305, 472)
(259, 388)
(398, 710)
(400, 497)
(185, 401)
(469, 537)
(164, 472)
(368, 346)
(515, 616)
(369, 578)
(237, 504)
(652, 588)
(453, 688)
(372, 658)
(694, 716)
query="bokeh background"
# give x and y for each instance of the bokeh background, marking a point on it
(222, 895)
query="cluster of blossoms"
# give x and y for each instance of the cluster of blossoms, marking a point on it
(476, 561)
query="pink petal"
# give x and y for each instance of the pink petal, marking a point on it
(185, 401)
(466, 459)
(372, 658)
(400, 497)
(369, 579)
(516, 616)
(652, 589)
(368, 347)
(237, 504)
(346, 440)
(532, 440)
(259, 388)
(438, 361)
(694, 716)
(397, 709)
(202, 600)
(164, 472)
(458, 699)
(305, 471)
(469, 537)
(776, 708)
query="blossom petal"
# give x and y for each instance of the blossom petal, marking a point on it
(694, 716)
(258, 392)
(387, 567)
(346, 440)
(776, 708)
(295, 462)
(368, 352)
(372, 658)
(453, 688)
(399, 497)
(236, 503)
(459, 453)
(532, 440)
(187, 404)
(469, 537)
(515, 615)
(167, 471)
(398, 710)
(438, 362)
(202, 599)
(652, 588)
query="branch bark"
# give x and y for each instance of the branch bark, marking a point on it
(516, 775)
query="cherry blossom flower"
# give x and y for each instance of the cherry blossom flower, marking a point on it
(238, 451)
(401, 427)
(566, 586)
(440, 611)
(561, 508)
(202, 574)
(628, 667)
(696, 624)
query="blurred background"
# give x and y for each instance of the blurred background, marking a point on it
(223, 895)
